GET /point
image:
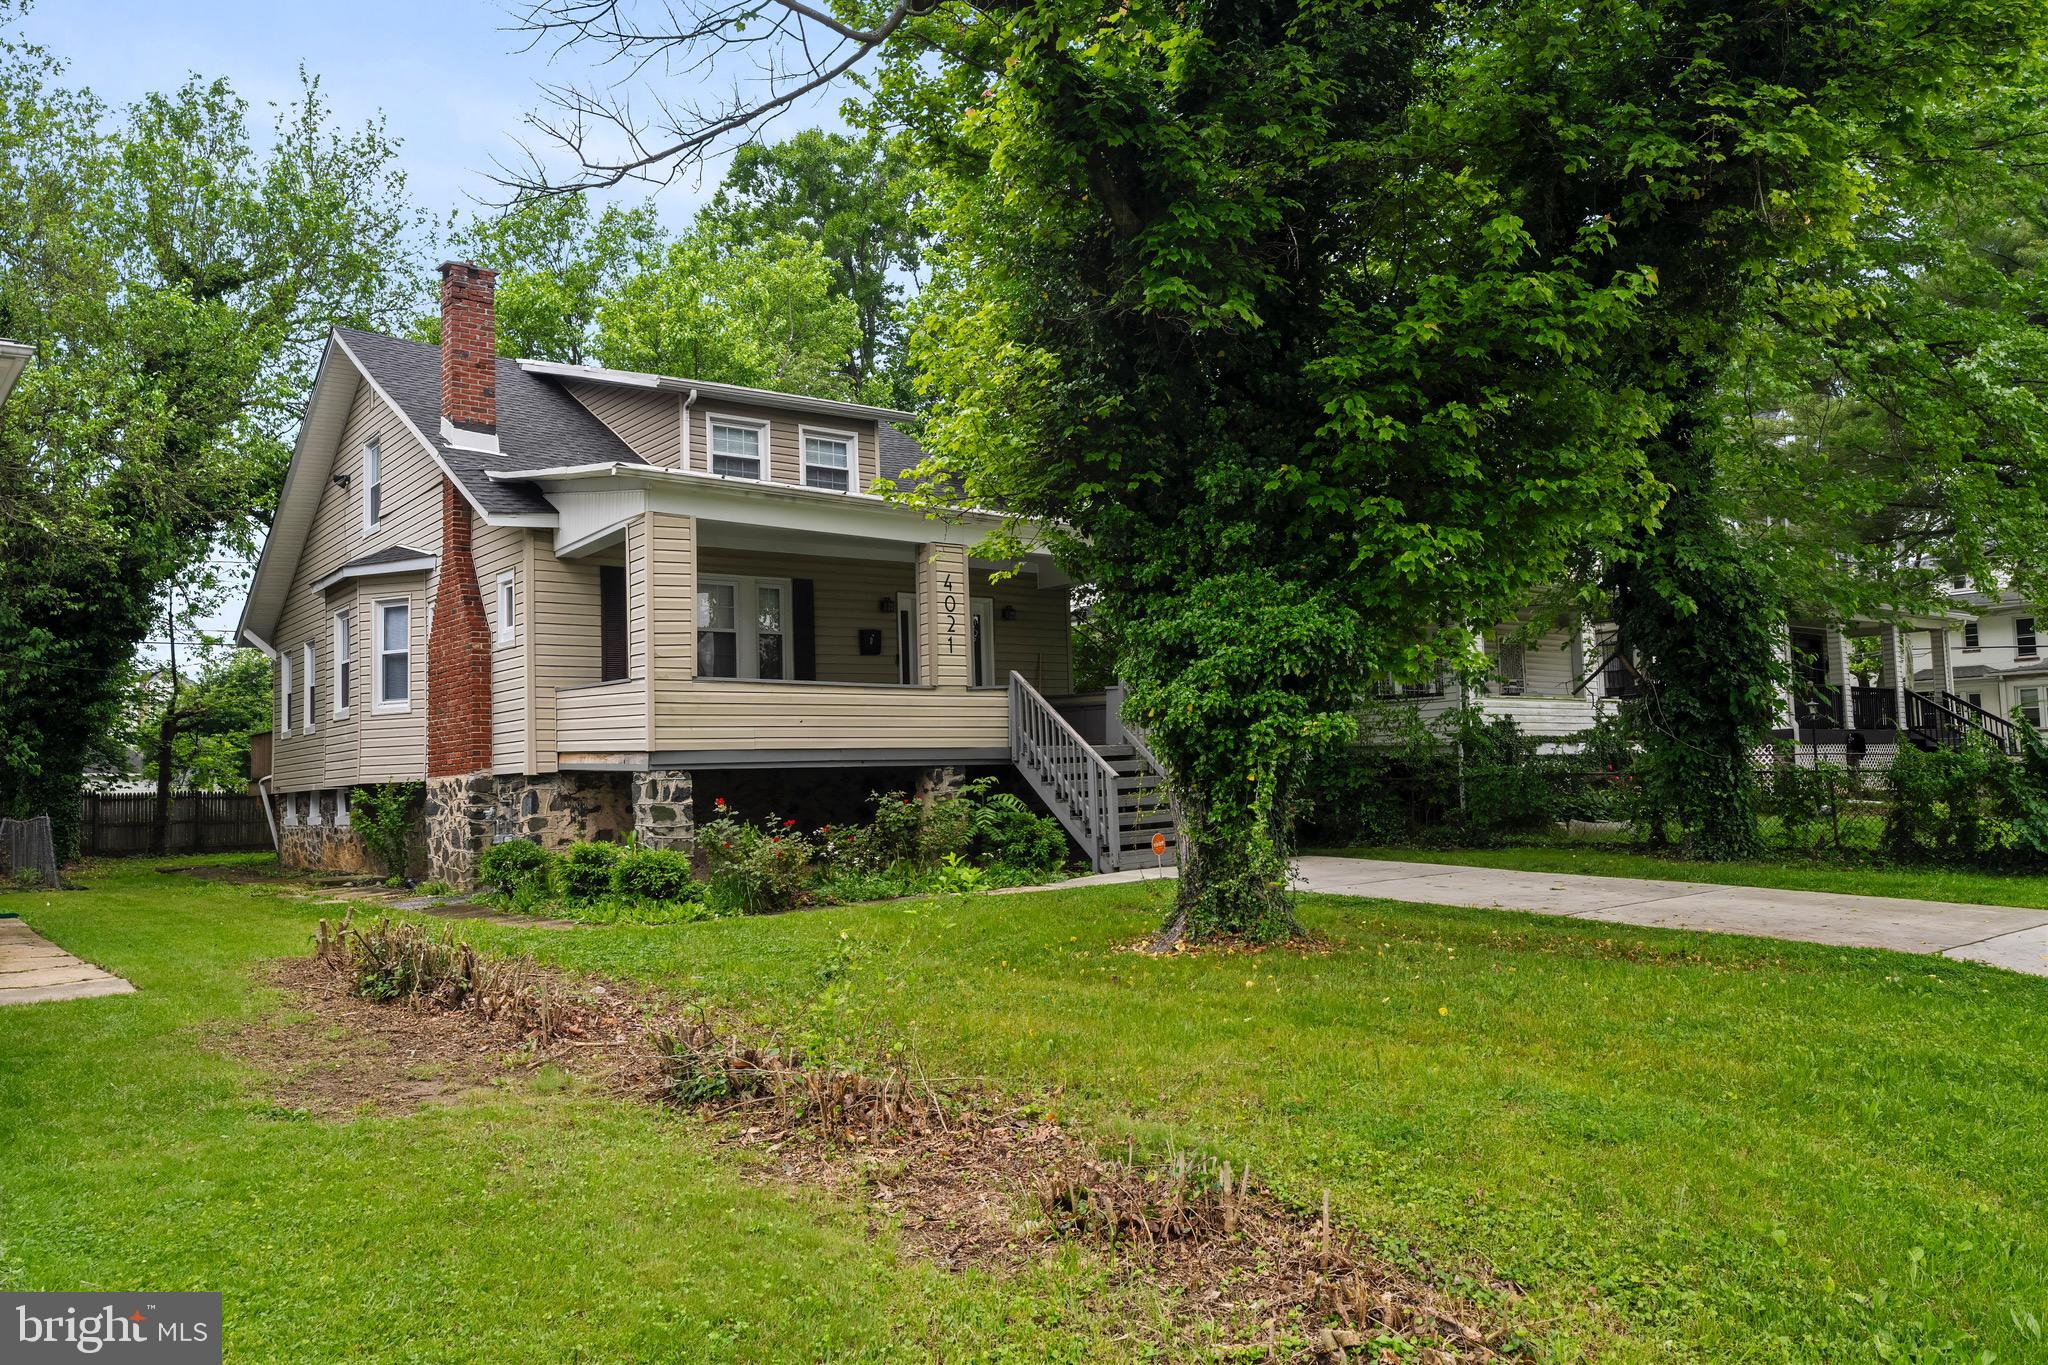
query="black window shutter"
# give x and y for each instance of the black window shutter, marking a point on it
(803, 621)
(611, 618)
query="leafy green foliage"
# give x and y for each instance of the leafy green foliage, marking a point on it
(518, 869)
(858, 199)
(557, 262)
(220, 709)
(759, 313)
(175, 272)
(757, 869)
(1950, 804)
(585, 871)
(655, 875)
(384, 818)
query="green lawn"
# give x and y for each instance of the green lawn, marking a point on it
(1924, 883)
(1683, 1147)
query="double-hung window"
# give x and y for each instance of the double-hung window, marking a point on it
(373, 484)
(2024, 643)
(743, 628)
(394, 656)
(284, 692)
(2028, 707)
(739, 449)
(505, 605)
(309, 674)
(828, 460)
(1970, 637)
(343, 644)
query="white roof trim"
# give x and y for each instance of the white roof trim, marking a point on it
(729, 393)
(421, 562)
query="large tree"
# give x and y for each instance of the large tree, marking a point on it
(859, 199)
(175, 280)
(1313, 330)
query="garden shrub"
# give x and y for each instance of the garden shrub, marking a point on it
(2030, 796)
(757, 869)
(383, 818)
(1008, 832)
(1951, 804)
(518, 869)
(655, 876)
(585, 871)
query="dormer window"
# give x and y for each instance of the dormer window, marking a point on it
(373, 484)
(739, 448)
(828, 460)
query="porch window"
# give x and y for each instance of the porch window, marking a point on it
(284, 692)
(611, 623)
(718, 630)
(394, 656)
(743, 628)
(2024, 643)
(736, 449)
(769, 656)
(343, 645)
(1970, 640)
(2028, 708)
(828, 461)
(982, 620)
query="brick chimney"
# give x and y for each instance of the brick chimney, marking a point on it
(459, 643)
(469, 354)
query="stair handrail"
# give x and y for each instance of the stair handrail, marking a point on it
(1082, 778)
(2001, 731)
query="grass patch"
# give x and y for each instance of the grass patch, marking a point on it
(1682, 1147)
(1955, 884)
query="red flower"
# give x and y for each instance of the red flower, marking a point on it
(789, 824)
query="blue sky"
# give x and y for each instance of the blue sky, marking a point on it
(446, 75)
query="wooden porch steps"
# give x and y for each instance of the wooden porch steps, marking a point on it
(1110, 797)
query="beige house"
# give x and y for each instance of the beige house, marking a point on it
(574, 601)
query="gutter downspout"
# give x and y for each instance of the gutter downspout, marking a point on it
(269, 815)
(683, 432)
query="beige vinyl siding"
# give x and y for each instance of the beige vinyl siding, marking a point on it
(499, 549)
(1547, 666)
(609, 721)
(362, 748)
(723, 715)
(649, 423)
(563, 617)
(672, 574)
(393, 744)
(1040, 642)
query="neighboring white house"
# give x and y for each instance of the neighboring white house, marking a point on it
(14, 358)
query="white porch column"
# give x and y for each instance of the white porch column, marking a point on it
(1788, 710)
(1944, 659)
(942, 644)
(1892, 647)
(1840, 676)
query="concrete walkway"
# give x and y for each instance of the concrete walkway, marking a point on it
(2002, 935)
(32, 968)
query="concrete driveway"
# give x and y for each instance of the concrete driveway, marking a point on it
(2005, 936)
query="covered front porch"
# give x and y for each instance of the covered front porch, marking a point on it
(753, 626)
(1854, 684)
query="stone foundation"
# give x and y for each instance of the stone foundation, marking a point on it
(662, 809)
(555, 810)
(936, 784)
(459, 817)
(323, 848)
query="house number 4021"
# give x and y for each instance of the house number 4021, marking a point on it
(951, 605)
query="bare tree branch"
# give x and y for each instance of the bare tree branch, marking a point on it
(797, 50)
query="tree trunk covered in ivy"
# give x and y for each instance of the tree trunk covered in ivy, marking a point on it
(1703, 625)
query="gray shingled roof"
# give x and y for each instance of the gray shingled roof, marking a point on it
(539, 425)
(899, 452)
(392, 554)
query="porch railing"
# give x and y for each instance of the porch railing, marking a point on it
(1998, 729)
(1077, 783)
